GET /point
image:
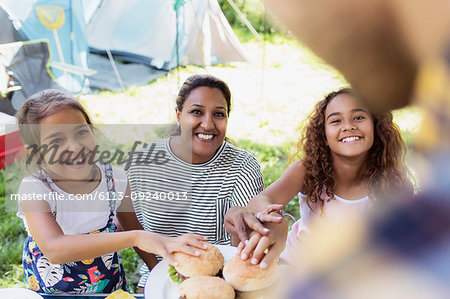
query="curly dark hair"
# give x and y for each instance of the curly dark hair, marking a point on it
(385, 170)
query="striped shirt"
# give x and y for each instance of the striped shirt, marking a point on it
(174, 197)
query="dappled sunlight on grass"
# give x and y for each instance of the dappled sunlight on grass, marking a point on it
(269, 100)
(409, 120)
(13, 278)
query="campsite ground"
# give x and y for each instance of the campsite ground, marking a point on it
(272, 93)
(269, 98)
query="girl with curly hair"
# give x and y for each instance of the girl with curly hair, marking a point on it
(349, 156)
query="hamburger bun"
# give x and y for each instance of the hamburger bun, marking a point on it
(206, 287)
(244, 276)
(210, 262)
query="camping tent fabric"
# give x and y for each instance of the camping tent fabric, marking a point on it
(71, 35)
(131, 74)
(7, 31)
(89, 9)
(150, 32)
(148, 28)
(25, 19)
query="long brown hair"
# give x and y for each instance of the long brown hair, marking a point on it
(385, 170)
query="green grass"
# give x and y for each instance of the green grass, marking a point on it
(12, 237)
(131, 263)
(12, 277)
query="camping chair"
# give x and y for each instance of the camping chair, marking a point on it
(28, 62)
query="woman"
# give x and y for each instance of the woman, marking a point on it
(201, 175)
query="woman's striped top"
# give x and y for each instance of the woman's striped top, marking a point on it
(173, 197)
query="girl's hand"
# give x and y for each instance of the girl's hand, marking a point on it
(164, 246)
(264, 250)
(258, 248)
(238, 220)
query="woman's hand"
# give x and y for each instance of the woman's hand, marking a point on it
(164, 246)
(265, 250)
(239, 220)
(266, 217)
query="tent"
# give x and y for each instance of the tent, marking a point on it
(139, 40)
(61, 23)
(24, 66)
(160, 34)
(7, 32)
(164, 34)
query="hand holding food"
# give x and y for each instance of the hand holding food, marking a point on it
(244, 276)
(200, 277)
(209, 263)
(189, 244)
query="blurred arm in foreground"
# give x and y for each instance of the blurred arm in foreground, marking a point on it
(394, 53)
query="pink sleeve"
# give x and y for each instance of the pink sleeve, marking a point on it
(292, 252)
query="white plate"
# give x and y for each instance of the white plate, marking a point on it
(160, 286)
(18, 293)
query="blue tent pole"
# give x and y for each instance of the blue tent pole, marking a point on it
(177, 49)
(72, 60)
(176, 6)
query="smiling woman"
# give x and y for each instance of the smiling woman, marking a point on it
(204, 175)
(204, 116)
